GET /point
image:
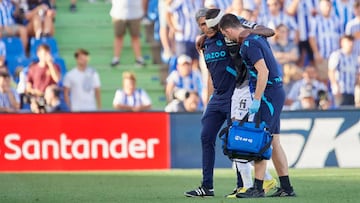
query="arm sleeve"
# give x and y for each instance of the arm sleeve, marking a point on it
(118, 98)
(145, 99)
(253, 52)
(97, 82)
(247, 24)
(334, 60)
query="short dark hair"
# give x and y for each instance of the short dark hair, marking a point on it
(229, 20)
(348, 37)
(81, 51)
(356, 3)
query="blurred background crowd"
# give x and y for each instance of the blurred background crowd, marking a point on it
(317, 46)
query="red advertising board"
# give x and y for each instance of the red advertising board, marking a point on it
(84, 141)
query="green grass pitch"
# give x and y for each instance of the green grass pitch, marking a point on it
(311, 185)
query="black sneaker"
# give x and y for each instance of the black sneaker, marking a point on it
(251, 193)
(114, 63)
(280, 192)
(140, 62)
(200, 192)
(73, 8)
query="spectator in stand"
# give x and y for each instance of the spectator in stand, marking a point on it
(82, 85)
(9, 98)
(306, 99)
(353, 28)
(220, 4)
(303, 11)
(165, 33)
(344, 10)
(324, 37)
(8, 26)
(184, 78)
(357, 93)
(292, 74)
(309, 78)
(39, 16)
(127, 15)
(131, 98)
(52, 102)
(285, 51)
(343, 72)
(43, 73)
(185, 27)
(184, 102)
(277, 16)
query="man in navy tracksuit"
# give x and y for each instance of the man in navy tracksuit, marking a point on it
(222, 75)
(268, 99)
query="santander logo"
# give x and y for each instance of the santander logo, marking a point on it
(63, 147)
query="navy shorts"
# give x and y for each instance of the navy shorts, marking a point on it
(271, 106)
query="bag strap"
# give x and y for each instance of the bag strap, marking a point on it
(265, 147)
(256, 118)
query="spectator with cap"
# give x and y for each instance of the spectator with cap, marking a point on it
(184, 78)
(130, 97)
(306, 99)
(309, 78)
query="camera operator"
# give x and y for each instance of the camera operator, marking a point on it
(184, 101)
(51, 101)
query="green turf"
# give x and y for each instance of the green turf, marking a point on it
(312, 185)
(91, 28)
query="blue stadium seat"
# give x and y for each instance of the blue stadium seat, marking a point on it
(14, 63)
(14, 48)
(50, 41)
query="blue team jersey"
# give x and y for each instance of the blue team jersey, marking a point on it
(220, 66)
(253, 49)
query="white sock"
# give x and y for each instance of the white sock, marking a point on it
(115, 59)
(245, 171)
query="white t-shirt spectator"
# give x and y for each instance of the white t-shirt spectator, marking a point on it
(126, 9)
(82, 86)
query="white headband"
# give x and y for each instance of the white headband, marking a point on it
(214, 21)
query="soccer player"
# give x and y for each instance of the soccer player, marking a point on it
(268, 98)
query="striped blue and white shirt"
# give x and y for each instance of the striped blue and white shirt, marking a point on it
(192, 82)
(304, 15)
(184, 14)
(272, 21)
(344, 10)
(138, 98)
(353, 28)
(346, 70)
(326, 32)
(5, 100)
(220, 4)
(6, 11)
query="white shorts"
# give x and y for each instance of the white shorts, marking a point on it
(240, 102)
